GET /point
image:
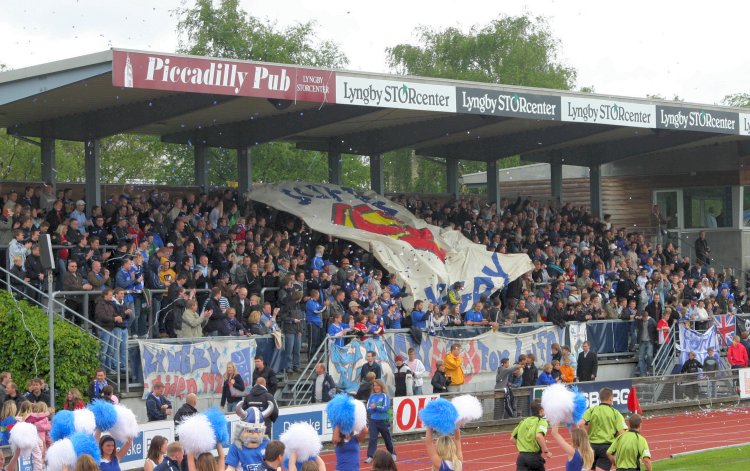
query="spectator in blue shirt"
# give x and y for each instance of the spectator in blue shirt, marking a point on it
(393, 317)
(546, 378)
(336, 329)
(418, 316)
(475, 316)
(313, 310)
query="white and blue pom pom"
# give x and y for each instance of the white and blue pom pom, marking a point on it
(195, 434)
(360, 416)
(557, 401)
(60, 455)
(24, 437)
(126, 426)
(63, 425)
(104, 413)
(84, 421)
(340, 411)
(218, 422)
(302, 439)
(84, 444)
(468, 407)
(440, 415)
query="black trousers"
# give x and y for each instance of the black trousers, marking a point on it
(528, 461)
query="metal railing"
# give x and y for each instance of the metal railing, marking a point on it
(665, 357)
(36, 297)
(301, 395)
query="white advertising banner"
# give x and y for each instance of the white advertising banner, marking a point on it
(426, 259)
(744, 124)
(395, 94)
(616, 112)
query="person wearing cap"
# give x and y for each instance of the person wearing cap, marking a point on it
(353, 311)
(79, 214)
(403, 378)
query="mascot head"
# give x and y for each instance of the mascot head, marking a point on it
(252, 427)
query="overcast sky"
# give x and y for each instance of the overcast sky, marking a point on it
(687, 48)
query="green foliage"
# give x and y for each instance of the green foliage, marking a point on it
(24, 347)
(226, 30)
(514, 50)
(740, 100)
(229, 31)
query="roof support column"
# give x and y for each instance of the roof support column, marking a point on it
(200, 154)
(595, 189)
(244, 171)
(49, 164)
(493, 182)
(556, 180)
(92, 165)
(335, 168)
(376, 174)
(451, 167)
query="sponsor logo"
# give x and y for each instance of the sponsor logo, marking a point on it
(697, 120)
(205, 75)
(508, 104)
(366, 218)
(745, 124)
(392, 94)
(607, 112)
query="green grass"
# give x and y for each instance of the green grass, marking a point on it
(726, 459)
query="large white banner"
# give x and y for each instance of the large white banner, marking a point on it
(426, 258)
(194, 367)
(410, 95)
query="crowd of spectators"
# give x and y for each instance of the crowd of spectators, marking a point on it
(208, 259)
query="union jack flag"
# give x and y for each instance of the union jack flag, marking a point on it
(725, 328)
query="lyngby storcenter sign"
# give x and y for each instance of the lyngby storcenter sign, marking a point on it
(670, 117)
(408, 95)
(502, 103)
(616, 112)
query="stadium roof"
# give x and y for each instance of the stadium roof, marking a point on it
(234, 104)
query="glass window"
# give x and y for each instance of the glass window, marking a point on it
(707, 207)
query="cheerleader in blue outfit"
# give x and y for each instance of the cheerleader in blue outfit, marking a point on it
(445, 452)
(347, 448)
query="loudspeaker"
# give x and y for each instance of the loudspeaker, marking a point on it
(45, 252)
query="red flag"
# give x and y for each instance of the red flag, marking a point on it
(633, 404)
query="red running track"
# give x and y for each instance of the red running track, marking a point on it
(666, 435)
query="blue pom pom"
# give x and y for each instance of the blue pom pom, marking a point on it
(85, 445)
(440, 415)
(218, 423)
(579, 406)
(340, 411)
(63, 425)
(104, 413)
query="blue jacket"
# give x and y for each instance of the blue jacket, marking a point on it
(545, 379)
(419, 319)
(125, 280)
(382, 403)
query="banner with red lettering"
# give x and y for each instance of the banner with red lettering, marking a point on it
(132, 69)
(194, 367)
(406, 413)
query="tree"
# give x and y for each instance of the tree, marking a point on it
(226, 30)
(513, 50)
(738, 100)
